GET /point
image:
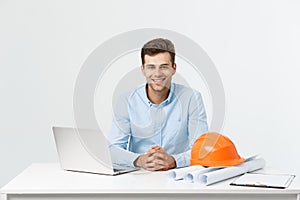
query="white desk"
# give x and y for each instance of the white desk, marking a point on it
(49, 181)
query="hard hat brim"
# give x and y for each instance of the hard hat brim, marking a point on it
(222, 163)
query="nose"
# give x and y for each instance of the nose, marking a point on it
(157, 72)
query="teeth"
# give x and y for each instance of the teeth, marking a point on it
(157, 80)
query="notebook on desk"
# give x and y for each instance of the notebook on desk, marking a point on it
(85, 150)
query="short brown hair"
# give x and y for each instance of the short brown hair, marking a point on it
(158, 45)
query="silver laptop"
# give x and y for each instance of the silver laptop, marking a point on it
(85, 150)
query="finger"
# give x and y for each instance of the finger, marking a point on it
(156, 147)
(158, 162)
(161, 150)
(164, 159)
(154, 166)
(160, 155)
(155, 162)
(151, 151)
(157, 159)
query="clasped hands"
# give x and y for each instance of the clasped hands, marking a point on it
(155, 159)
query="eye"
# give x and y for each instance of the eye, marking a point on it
(150, 67)
(164, 66)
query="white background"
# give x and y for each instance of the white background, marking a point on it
(255, 46)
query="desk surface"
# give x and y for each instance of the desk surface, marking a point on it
(41, 178)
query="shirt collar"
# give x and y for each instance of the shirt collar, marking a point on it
(165, 102)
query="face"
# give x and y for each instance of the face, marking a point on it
(158, 71)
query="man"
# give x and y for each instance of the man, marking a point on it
(155, 125)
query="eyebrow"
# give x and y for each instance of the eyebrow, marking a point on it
(157, 64)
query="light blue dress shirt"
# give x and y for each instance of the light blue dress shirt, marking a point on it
(174, 124)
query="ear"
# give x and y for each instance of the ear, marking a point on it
(174, 67)
(143, 70)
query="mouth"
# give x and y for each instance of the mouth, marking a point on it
(158, 80)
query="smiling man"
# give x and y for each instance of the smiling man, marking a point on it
(156, 124)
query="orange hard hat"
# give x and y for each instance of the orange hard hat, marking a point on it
(213, 149)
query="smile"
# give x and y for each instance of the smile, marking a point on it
(158, 80)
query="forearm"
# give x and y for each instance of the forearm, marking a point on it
(122, 157)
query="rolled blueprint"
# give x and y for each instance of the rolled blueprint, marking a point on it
(178, 174)
(197, 174)
(210, 175)
(229, 172)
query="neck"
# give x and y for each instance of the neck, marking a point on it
(157, 97)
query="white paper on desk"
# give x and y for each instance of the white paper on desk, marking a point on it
(264, 180)
(178, 174)
(230, 172)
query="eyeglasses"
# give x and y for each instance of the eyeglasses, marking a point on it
(152, 67)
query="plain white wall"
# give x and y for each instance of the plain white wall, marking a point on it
(255, 46)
